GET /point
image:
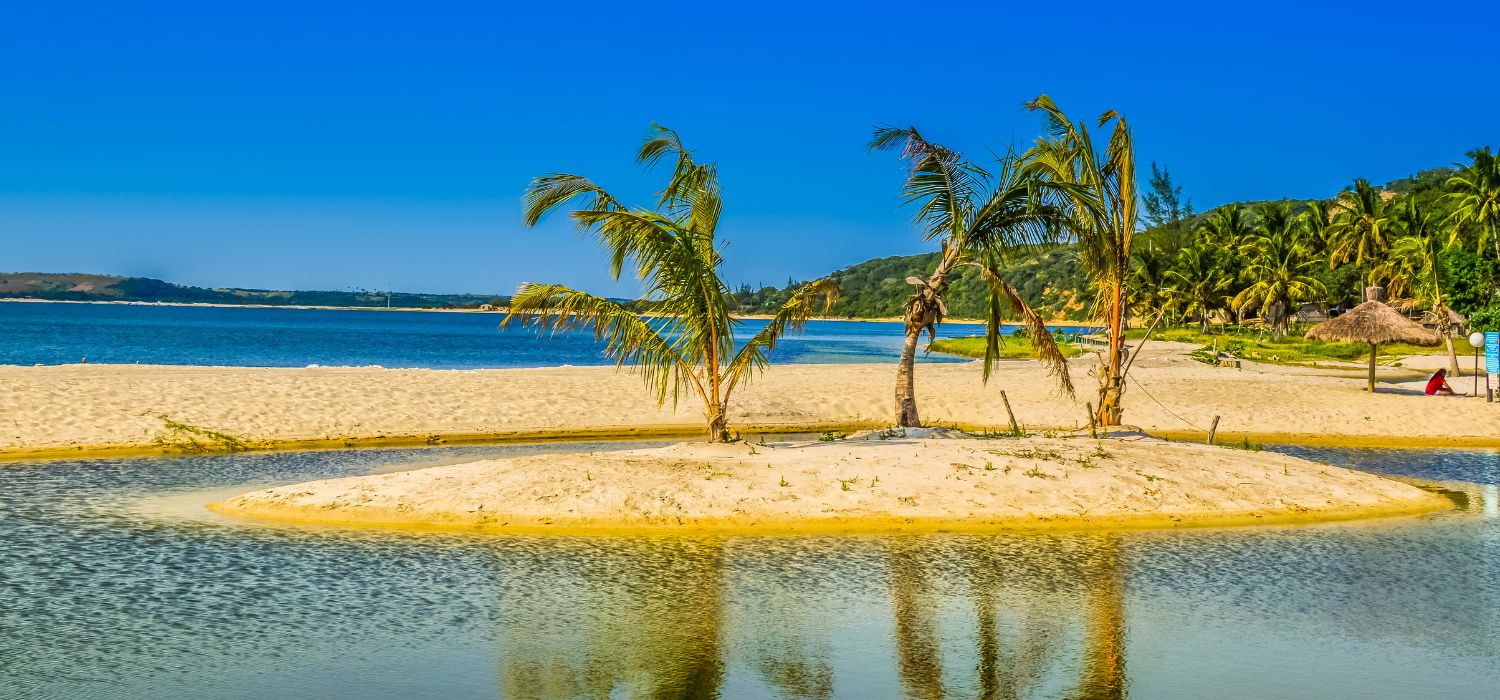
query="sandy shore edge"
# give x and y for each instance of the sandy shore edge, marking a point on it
(868, 485)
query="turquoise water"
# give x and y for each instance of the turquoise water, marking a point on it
(54, 333)
(114, 583)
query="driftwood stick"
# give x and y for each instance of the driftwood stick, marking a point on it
(1015, 428)
(1213, 428)
(1093, 426)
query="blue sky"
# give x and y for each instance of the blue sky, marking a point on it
(330, 146)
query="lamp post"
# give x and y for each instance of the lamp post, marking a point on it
(1476, 339)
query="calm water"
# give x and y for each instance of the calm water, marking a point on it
(46, 333)
(115, 584)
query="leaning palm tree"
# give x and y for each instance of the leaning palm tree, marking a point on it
(1476, 194)
(1411, 269)
(1103, 200)
(687, 345)
(1279, 271)
(1360, 225)
(980, 218)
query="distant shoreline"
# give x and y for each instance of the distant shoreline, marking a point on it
(212, 305)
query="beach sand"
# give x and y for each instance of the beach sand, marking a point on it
(882, 482)
(70, 409)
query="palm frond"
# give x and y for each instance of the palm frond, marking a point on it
(551, 191)
(692, 194)
(793, 315)
(1038, 333)
(629, 339)
(940, 182)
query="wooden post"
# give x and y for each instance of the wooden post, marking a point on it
(1015, 429)
(1093, 425)
(1372, 368)
(1214, 428)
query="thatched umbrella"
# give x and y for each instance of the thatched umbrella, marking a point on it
(1373, 322)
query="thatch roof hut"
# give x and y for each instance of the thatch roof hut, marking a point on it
(1373, 322)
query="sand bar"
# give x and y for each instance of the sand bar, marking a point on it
(880, 482)
(71, 409)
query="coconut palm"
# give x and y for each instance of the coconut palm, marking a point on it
(1411, 269)
(1103, 203)
(688, 344)
(1359, 231)
(979, 217)
(1197, 282)
(1279, 266)
(1315, 220)
(1228, 228)
(1148, 281)
(1477, 198)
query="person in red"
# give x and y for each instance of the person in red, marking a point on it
(1438, 384)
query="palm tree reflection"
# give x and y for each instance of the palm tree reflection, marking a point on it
(641, 620)
(991, 618)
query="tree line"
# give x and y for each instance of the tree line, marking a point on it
(1065, 213)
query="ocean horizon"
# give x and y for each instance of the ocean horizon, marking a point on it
(50, 333)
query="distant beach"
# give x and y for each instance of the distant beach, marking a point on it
(72, 408)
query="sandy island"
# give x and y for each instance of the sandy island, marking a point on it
(876, 482)
(79, 409)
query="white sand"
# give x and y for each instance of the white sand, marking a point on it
(68, 407)
(866, 484)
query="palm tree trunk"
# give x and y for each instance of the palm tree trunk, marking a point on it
(718, 425)
(1112, 383)
(925, 310)
(906, 390)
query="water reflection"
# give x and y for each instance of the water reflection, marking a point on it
(985, 618)
(100, 597)
(641, 617)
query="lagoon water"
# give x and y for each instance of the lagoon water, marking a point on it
(115, 583)
(56, 333)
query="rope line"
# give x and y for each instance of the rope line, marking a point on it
(1159, 403)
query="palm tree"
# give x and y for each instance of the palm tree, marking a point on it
(1148, 280)
(1103, 200)
(688, 343)
(1477, 196)
(1198, 282)
(1315, 220)
(1359, 227)
(979, 217)
(1228, 228)
(1278, 269)
(1411, 269)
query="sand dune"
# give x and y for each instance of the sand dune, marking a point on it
(872, 483)
(73, 406)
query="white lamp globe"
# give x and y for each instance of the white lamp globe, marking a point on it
(1476, 339)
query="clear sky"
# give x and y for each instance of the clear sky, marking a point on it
(329, 146)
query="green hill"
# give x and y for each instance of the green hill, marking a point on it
(85, 287)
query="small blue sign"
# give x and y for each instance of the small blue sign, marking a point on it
(1492, 352)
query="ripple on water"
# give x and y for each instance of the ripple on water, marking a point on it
(113, 584)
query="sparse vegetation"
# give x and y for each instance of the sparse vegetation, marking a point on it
(182, 437)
